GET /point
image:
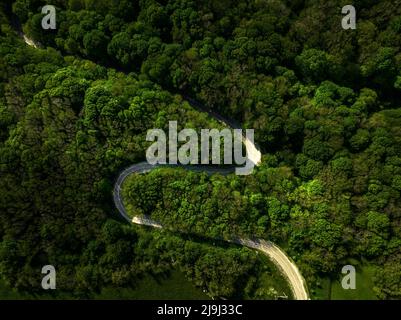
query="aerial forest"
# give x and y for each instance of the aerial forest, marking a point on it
(325, 104)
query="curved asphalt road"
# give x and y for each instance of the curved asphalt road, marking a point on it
(278, 256)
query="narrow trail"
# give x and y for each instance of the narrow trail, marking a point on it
(277, 255)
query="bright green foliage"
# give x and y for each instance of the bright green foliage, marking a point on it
(324, 103)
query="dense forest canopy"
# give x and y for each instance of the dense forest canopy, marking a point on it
(324, 103)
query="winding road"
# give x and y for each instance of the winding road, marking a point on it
(276, 255)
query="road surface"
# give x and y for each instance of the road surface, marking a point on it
(278, 256)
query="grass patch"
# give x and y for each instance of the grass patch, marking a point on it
(332, 289)
(8, 293)
(364, 286)
(169, 287)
